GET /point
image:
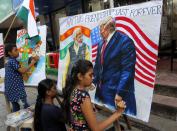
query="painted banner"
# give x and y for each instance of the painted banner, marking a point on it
(122, 43)
(30, 47)
(2, 69)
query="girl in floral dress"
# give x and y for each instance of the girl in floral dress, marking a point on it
(77, 101)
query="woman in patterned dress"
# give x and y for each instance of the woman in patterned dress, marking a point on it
(77, 102)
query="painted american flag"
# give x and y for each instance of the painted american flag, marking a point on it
(146, 49)
(1, 51)
(95, 39)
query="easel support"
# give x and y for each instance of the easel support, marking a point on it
(117, 126)
(127, 122)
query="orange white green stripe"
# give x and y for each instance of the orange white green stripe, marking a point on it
(27, 14)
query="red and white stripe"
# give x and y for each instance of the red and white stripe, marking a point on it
(146, 50)
(1, 51)
(94, 53)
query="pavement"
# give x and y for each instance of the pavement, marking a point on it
(164, 76)
(31, 92)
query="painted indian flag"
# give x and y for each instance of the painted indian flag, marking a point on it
(27, 14)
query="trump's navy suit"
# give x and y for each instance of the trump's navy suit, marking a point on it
(116, 74)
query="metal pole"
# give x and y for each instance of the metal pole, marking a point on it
(52, 31)
(172, 13)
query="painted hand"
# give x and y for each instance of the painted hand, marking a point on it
(117, 98)
(120, 106)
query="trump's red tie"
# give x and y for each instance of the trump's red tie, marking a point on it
(102, 52)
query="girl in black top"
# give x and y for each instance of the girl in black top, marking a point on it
(48, 117)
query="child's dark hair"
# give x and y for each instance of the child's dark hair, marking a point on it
(81, 66)
(8, 48)
(43, 87)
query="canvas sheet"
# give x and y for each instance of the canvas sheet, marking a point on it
(130, 57)
(29, 48)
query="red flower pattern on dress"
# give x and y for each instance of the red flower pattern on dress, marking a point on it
(78, 121)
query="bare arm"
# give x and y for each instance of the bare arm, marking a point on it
(89, 114)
